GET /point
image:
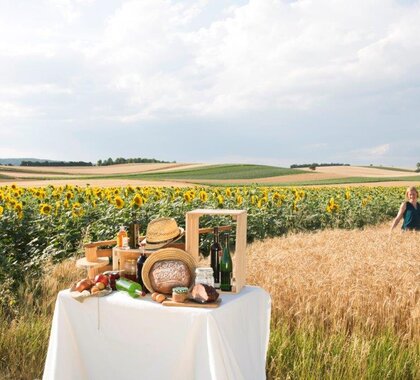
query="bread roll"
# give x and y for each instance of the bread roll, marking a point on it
(85, 284)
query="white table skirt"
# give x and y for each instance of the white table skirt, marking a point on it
(117, 337)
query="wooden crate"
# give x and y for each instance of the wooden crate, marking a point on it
(192, 230)
(120, 255)
(96, 259)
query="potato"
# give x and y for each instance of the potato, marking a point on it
(154, 295)
(160, 298)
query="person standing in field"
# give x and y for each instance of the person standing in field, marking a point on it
(410, 211)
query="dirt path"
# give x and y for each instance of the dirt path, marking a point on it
(358, 171)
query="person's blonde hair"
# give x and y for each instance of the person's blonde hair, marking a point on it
(410, 188)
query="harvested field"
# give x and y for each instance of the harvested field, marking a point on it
(102, 170)
(154, 175)
(95, 182)
(358, 171)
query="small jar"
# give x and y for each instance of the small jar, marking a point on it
(130, 268)
(204, 275)
(179, 294)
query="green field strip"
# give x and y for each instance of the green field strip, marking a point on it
(221, 172)
(215, 172)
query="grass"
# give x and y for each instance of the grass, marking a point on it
(345, 305)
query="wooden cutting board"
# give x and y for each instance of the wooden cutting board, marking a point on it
(189, 303)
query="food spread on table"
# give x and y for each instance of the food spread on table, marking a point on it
(170, 274)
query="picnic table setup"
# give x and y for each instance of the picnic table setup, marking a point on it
(152, 308)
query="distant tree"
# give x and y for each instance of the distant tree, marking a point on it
(418, 167)
(99, 163)
(109, 161)
(312, 167)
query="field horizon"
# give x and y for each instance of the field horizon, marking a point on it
(191, 174)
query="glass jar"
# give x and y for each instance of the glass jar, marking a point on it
(130, 267)
(204, 275)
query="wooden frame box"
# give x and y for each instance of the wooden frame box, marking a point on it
(192, 224)
(120, 255)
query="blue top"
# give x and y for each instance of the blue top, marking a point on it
(411, 217)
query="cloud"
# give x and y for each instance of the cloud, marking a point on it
(262, 55)
(376, 152)
(160, 59)
(299, 80)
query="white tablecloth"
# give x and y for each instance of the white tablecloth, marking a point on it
(117, 337)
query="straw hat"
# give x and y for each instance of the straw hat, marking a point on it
(166, 254)
(161, 232)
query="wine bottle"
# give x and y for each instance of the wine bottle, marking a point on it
(226, 267)
(132, 288)
(140, 262)
(215, 254)
(133, 233)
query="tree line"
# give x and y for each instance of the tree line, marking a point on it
(55, 163)
(121, 160)
(109, 161)
(315, 164)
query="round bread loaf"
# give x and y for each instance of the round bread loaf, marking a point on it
(167, 274)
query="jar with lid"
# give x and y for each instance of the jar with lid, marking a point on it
(130, 267)
(204, 275)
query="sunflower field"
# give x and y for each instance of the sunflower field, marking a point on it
(51, 223)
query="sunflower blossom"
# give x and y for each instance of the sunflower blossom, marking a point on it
(77, 209)
(118, 201)
(137, 200)
(45, 209)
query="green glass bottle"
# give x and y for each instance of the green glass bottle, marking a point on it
(133, 289)
(226, 267)
(133, 232)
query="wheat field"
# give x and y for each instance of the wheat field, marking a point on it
(345, 305)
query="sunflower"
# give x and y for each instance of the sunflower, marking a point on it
(220, 199)
(187, 196)
(77, 209)
(1, 210)
(239, 199)
(261, 202)
(332, 206)
(348, 194)
(137, 200)
(18, 207)
(203, 196)
(118, 201)
(57, 207)
(45, 209)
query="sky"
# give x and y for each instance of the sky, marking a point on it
(273, 82)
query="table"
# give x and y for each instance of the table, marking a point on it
(117, 337)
